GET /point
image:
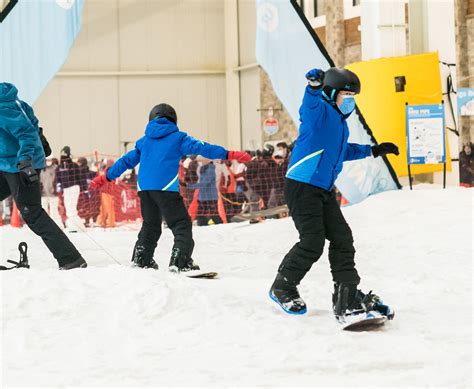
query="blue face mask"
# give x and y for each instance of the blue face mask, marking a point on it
(348, 105)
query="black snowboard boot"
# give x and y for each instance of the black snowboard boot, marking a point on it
(141, 258)
(344, 300)
(285, 293)
(78, 263)
(181, 262)
(348, 300)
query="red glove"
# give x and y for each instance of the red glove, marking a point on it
(98, 182)
(239, 156)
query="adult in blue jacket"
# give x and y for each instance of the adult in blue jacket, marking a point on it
(21, 158)
(316, 161)
(159, 153)
(208, 195)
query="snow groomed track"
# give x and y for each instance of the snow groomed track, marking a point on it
(114, 325)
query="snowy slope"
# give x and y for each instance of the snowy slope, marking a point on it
(114, 325)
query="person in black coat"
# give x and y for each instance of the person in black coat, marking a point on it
(466, 166)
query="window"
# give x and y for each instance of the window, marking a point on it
(318, 7)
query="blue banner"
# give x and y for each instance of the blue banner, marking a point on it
(35, 39)
(465, 101)
(426, 135)
(287, 48)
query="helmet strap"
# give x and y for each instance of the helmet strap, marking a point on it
(329, 94)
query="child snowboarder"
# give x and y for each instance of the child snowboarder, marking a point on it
(159, 153)
(316, 161)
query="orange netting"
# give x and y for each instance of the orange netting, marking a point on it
(230, 189)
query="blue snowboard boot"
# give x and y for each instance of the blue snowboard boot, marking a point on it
(285, 294)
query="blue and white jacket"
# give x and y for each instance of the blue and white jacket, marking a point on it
(159, 153)
(322, 147)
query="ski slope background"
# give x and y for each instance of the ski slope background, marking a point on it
(114, 325)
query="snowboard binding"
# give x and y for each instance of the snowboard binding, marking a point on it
(23, 262)
(349, 301)
(372, 302)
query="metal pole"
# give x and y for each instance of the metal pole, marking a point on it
(444, 175)
(409, 176)
(408, 147)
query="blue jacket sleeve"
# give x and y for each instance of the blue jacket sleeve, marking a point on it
(191, 146)
(29, 112)
(25, 131)
(128, 161)
(355, 151)
(311, 98)
(312, 110)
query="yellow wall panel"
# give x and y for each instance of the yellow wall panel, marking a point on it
(384, 108)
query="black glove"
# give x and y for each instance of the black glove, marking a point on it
(384, 148)
(28, 175)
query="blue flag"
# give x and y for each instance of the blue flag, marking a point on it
(35, 39)
(287, 48)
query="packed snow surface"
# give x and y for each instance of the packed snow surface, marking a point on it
(115, 325)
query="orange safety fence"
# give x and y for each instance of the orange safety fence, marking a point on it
(234, 188)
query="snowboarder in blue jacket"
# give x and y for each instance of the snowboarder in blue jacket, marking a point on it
(317, 159)
(159, 153)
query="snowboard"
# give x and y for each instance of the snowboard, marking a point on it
(206, 275)
(209, 275)
(365, 321)
(241, 217)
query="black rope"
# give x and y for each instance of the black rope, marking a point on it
(450, 89)
(448, 64)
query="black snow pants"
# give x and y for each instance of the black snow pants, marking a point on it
(28, 201)
(210, 208)
(156, 205)
(317, 217)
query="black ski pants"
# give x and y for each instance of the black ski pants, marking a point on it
(156, 205)
(210, 208)
(28, 201)
(317, 217)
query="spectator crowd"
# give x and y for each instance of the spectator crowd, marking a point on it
(214, 192)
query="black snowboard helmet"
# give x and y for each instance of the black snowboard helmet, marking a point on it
(336, 79)
(163, 110)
